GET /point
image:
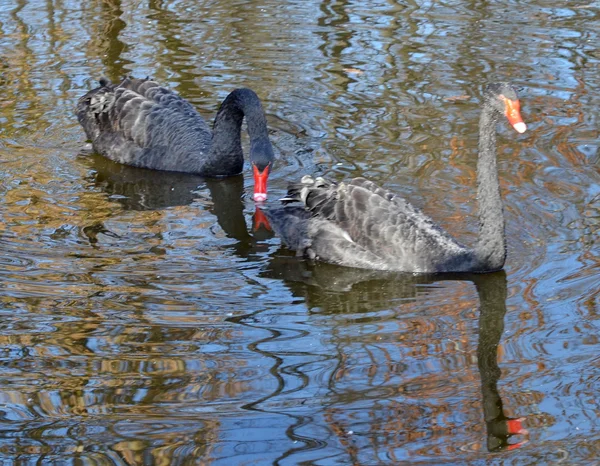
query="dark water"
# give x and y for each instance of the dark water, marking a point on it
(143, 321)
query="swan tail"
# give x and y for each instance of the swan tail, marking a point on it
(92, 105)
(317, 194)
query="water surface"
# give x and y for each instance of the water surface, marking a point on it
(145, 321)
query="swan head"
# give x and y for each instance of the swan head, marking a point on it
(502, 97)
(261, 158)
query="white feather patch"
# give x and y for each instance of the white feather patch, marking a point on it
(347, 237)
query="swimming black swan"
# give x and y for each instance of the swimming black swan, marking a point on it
(140, 123)
(359, 224)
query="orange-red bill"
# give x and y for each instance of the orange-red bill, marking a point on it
(261, 220)
(513, 113)
(260, 183)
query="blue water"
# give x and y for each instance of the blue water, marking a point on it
(145, 321)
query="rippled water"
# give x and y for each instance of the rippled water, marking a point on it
(144, 320)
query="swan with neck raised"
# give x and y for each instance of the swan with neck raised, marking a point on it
(359, 224)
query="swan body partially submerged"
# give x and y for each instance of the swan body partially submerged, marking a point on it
(359, 224)
(137, 122)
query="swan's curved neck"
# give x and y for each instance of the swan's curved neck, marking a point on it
(226, 152)
(491, 245)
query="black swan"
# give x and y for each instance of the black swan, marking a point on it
(359, 224)
(140, 123)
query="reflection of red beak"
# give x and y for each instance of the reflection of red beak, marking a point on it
(514, 427)
(260, 183)
(261, 220)
(514, 446)
(513, 113)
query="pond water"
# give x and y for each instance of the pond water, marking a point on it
(145, 321)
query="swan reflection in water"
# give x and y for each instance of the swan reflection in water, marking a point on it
(338, 291)
(140, 189)
(333, 289)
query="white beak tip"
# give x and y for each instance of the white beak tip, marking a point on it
(520, 127)
(260, 197)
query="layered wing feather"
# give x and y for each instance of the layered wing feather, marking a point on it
(362, 225)
(140, 123)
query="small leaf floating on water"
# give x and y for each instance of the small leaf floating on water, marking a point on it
(354, 71)
(457, 98)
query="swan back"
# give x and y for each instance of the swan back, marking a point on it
(140, 123)
(359, 224)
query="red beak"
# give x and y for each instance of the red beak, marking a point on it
(513, 113)
(260, 183)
